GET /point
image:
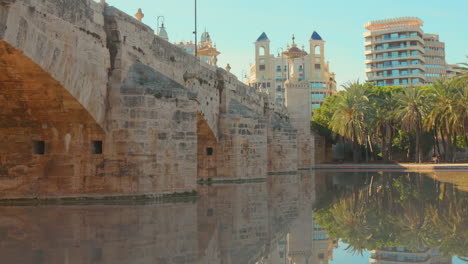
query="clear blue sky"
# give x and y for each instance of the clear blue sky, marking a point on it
(235, 25)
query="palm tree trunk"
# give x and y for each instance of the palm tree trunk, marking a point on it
(390, 144)
(454, 147)
(418, 143)
(444, 143)
(437, 140)
(371, 146)
(384, 143)
(356, 156)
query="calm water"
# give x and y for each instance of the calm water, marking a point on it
(310, 217)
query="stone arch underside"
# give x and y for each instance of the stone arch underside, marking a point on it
(36, 107)
(206, 149)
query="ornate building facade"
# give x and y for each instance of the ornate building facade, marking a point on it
(272, 70)
(207, 51)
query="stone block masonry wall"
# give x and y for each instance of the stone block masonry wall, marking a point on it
(282, 145)
(242, 151)
(153, 133)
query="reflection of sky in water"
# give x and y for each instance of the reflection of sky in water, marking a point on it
(342, 256)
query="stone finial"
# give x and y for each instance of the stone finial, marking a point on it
(228, 67)
(139, 15)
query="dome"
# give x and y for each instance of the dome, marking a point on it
(294, 52)
(205, 36)
(316, 36)
(263, 36)
(163, 33)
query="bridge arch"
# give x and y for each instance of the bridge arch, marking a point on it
(48, 141)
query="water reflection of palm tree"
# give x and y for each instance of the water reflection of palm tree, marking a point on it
(407, 211)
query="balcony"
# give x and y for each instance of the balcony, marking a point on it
(390, 58)
(391, 40)
(410, 66)
(390, 49)
(393, 30)
(396, 76)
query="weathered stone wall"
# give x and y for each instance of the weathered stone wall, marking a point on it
(282, 145)
(34, 107)
(152, 135)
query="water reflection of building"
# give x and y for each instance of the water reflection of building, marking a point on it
(403, 255)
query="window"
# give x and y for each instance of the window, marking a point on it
(317, 50)
(317, 85)
(317, 66)
(413, 62)
(317, 96)
(39, 147)
(278, 68)
(413, 34)
(315, 106)
(261, 67)
(415, 81)
(96, 147)
(432, 66)
(209, 151)
(320, 236)
(317, 75)
(261, 51)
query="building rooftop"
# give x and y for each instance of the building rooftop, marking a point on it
(316, 36)
(263, 36)
(393, 23)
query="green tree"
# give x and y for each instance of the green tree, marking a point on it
(412, 110)
(349, 119)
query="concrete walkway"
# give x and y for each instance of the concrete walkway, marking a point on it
(395, 166)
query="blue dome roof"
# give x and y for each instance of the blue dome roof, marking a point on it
(316, 36)
(263, 36)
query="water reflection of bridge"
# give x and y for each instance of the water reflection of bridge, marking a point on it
(228, 224)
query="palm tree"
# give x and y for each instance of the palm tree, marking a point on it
(449, 114)
(412, 109)
(349, 120)
(462, 77)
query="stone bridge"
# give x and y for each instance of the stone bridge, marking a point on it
(92, 103)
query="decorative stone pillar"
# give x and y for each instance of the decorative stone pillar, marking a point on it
(139, 15)
(228, 68)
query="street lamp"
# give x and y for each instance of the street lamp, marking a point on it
(195, 32)
(281, 70)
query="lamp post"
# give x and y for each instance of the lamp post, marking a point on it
(160, 18)
(195, 32)
(282, 66)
